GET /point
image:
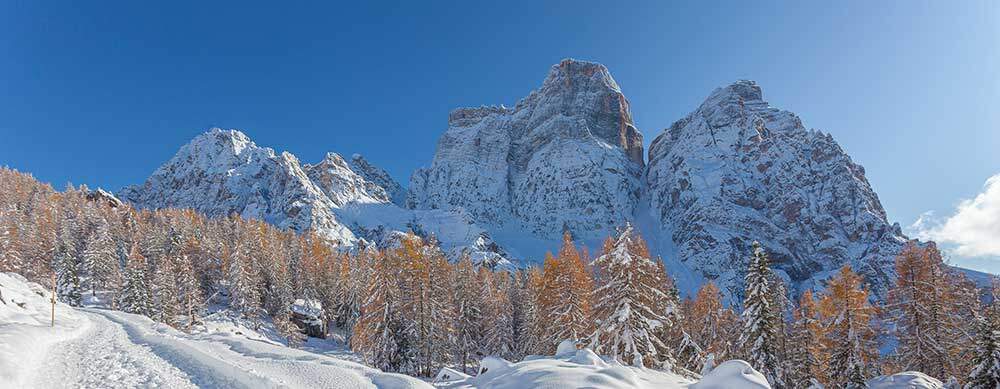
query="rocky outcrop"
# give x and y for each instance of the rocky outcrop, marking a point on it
(737, 170)
(567, 156)
(379, 178)
(343, 185)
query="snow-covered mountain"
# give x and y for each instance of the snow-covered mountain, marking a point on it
(222, 172)
(567, 156)
(504, 184)
(737, 170)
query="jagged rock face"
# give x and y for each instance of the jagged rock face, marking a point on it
(566, 156)
(379, 178)
(737, 170)
(342, 184)
(223, 172)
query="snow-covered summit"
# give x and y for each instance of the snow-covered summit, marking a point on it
(222, 172)
(737, 169)
(342, 183)
(567, 156)
(375, 175)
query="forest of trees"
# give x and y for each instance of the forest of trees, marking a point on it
(409, 309)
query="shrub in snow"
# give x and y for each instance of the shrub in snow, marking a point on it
(566, 347)
(732, 374)
(905, 380)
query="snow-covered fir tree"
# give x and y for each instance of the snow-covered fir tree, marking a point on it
(244, 291)
(164, 292)
(135, 296)
(759, 338)
(101, 252)
(67, 266)
(985, 372)
(189, 295)
(631, 308)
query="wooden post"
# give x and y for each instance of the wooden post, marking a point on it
(53, 299)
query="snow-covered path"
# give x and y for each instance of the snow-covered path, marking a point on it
(104, 356)
(119, 350)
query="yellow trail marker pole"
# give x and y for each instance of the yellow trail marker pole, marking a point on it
(53, 299)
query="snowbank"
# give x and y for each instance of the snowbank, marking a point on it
(732, 374)
(905, 380)
(572, 368)
(26, 331)
(578, 369)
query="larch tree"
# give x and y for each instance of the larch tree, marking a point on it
(925, 308)
(535, 338)
(851, 338)
(710, 323)
(499, 333)
(759, 338)
(631, 308)
(573, 287)
(377, 335)
(808, 356)
(467, 303)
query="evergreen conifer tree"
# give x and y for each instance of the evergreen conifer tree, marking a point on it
(759, 339)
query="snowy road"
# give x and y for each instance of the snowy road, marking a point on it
(104, 356)
(118, 350)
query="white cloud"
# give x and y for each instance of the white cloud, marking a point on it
(974, 229)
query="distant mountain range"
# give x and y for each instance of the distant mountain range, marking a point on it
(505, 183)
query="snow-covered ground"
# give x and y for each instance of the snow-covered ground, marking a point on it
(92, 348)
(572, 368)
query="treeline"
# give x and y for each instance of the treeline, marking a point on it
(408, 309)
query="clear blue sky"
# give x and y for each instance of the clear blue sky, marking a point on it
(101, 94)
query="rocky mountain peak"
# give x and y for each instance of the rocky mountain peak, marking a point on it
(737, 170)
(567, 155)
(378, 176)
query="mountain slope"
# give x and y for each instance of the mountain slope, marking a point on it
(223, 172)
(737, 170)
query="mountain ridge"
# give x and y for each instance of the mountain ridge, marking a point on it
(568, 157)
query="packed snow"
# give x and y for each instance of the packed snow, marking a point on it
(93, 347)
